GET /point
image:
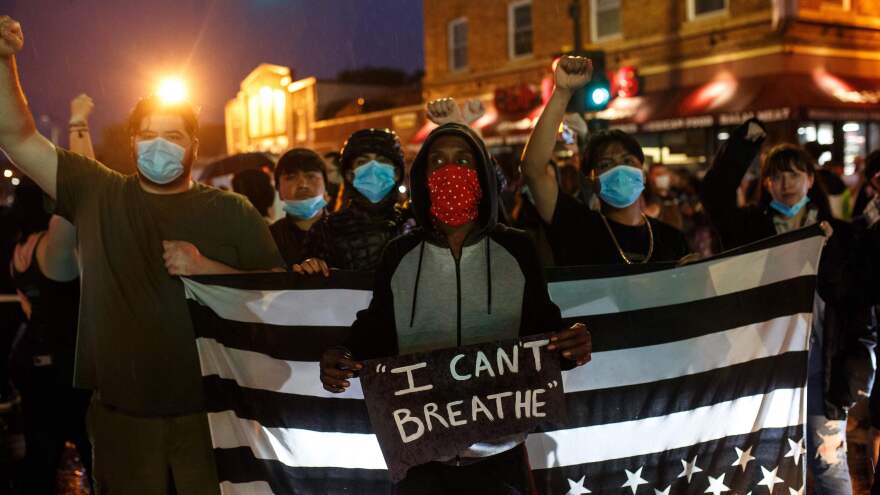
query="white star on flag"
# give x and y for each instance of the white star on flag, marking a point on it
(577, 487)
(770, 478)
(743, 458)
(664, 492)
(792, 491)
(689, 469)
(717, 486)
(633, 480)
(796, 450)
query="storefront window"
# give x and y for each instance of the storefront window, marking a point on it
(854, 141)
(873, 136)
(683, 148)
(806, 134)
(825, 134)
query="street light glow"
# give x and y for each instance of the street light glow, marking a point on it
(172, 90)
(7, 173)
(15, 181)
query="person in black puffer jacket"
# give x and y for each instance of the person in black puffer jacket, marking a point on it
(841, 366)
(373, 169)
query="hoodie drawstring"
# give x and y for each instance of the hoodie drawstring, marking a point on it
(488, 275)
(415, 297)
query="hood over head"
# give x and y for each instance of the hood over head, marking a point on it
(485, 166)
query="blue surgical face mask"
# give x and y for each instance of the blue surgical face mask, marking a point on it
(304, 209)
(160, 161)
(374, 180)
(789, 211)
(621, 186)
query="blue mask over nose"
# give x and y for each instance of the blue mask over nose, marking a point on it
(159, 160)
(621, 186)
(374, 180)
(304, 209)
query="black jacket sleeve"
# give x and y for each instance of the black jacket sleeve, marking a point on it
(718, 189)
(853, 364)
(374, 332)
(850, 329)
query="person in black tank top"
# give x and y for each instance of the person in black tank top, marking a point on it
(45, 275)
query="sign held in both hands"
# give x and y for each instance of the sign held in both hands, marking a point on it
(431, 406)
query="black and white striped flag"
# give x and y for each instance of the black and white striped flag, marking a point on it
(697, 383)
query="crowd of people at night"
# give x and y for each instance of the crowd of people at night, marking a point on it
(104, 360)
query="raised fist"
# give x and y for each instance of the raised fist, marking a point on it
(472, 110)
(11, 36)
(576, 122)
(444, 111)
(573, 73)
(80, 109)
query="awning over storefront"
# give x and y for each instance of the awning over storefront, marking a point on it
(727, 100)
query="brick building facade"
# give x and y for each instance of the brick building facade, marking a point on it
(810, 67)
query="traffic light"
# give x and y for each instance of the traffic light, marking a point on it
(596, 95)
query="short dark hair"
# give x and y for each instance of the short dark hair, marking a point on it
(787, 157)
(152, 105)
(255, 185)
(302, 159)
(600, 139)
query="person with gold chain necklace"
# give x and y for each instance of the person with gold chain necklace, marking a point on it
(619, 233)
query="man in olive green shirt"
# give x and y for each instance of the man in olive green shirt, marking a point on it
(137, 234)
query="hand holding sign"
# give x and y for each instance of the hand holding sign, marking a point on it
(337, 368)
(575, 344)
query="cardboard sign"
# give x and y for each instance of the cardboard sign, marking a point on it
(431, 406)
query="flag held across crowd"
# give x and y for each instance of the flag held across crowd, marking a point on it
(697, 382)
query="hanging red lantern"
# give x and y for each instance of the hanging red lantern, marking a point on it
(625, 82)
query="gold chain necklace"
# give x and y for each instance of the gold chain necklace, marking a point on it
(617, 244)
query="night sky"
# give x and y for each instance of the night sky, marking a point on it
(116, 50)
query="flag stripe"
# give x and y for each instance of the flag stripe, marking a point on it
(240, 464)
(586, 408)
(608, 369)
(621, 330)
(323, 307)
(777, 409)
(686, 284)
(654, 326)
(603, 477)
(282, 342)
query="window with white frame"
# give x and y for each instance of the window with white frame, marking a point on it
(604, 19)
(519, 28)
(458, 44)
(700, 8)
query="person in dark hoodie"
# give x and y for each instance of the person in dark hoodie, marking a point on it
(460, 278)
(841, 364)
(373, 169)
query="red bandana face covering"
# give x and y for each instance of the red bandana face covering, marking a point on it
(455, 194)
